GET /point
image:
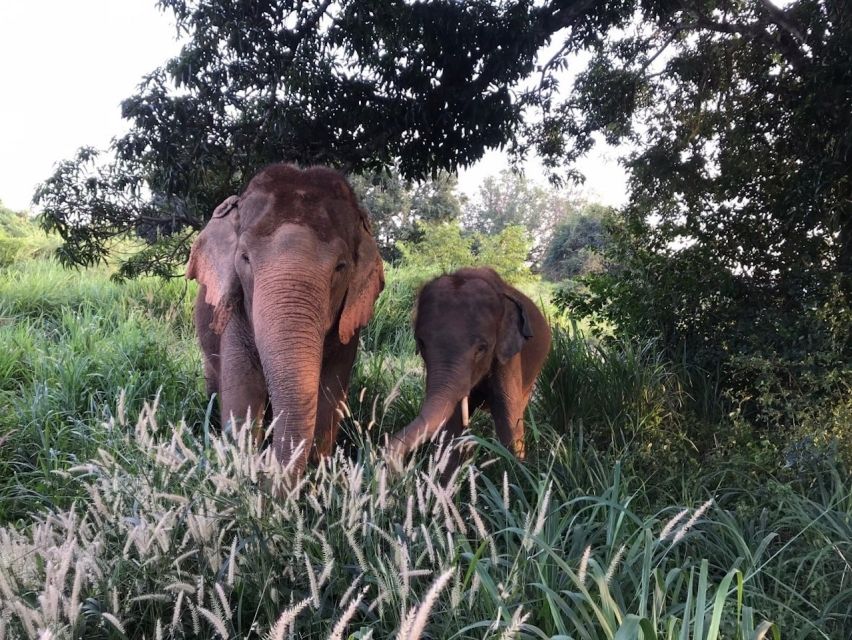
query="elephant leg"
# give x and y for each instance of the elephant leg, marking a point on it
(333, 387)
(507, 402)
(242, 385)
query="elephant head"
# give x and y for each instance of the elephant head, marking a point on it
(467, 325)
(291, 270)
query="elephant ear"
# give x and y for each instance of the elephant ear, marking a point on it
(211, 262)
(366, 284)
(515, 329)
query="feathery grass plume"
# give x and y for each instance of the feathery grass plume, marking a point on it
(216, 621)
(177, 611)
(359, 554)
(671, 524)
(408, 523)
(691, 522)
(312, 581)
(475, 583)
(422, 506)
(471, 480)
(402, 560)
(340, 627)
(478, 524)
(193, 614)
(350, 590)
(506, 492)
(418, 615)
(514, 626)
(232, 563)
(226, 605)
(443, 503)
(106, 615)
(286, 620)
(542, 510)
(456, 591)
(613, 565)
(180, 586)
(327, 560)
(427, 539)
(527, 541)
(584, 564)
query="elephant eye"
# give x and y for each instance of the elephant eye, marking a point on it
(340, 266)
(245, 258)
(481, 348)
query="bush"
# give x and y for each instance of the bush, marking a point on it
(20, 237)
(444, 247)
(619, 394)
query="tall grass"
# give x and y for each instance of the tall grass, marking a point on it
(204, 541)
(70, 343)
(121, 519)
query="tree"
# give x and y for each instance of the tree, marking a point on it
(577, 245)
(444, 247)
(356, 84)
(511, 199)
(397, 205)
(736, 245)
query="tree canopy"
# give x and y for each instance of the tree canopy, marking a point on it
(577, 245)
(356, 84)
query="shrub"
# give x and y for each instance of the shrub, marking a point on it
(444, 247)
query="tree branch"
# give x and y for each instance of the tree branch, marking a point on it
(786, 46)
(779, 17)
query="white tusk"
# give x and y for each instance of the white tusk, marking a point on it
(465, 413)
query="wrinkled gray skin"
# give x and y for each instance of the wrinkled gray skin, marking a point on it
(288, 275)
(481, 340)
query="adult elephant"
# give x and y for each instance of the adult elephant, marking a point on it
(484, 344)
(288, 274)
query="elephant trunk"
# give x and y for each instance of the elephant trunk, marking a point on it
(443, 394)
(288, 316)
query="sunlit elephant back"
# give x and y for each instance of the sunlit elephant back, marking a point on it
(288, 273)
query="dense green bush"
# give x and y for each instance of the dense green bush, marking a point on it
(20, 237)
(445, 247)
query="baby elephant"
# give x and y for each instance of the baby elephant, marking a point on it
(484, 343)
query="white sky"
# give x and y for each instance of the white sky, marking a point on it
(65, 67)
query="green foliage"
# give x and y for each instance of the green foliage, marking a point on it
(397, 205)
(620, 394)
(510, 199)
(70, 344)
(577, 245)
(355, 84)
(20, 237)
(736, 245)
(445, 247)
